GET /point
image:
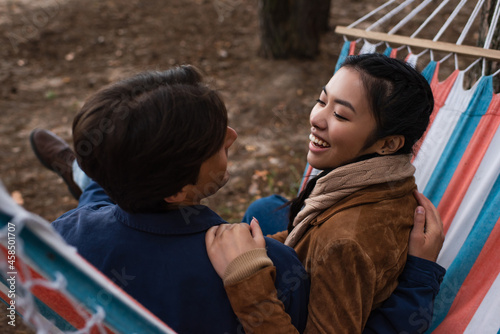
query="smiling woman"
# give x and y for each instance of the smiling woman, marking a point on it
(350, 226)
(342, 122)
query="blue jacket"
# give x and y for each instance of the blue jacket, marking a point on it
(160, 259)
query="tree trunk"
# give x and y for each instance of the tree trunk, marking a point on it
(486, 17)
(292, 28)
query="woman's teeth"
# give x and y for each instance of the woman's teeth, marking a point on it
(317, 141)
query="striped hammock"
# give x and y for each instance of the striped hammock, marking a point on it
(46, 284)
(457, 167)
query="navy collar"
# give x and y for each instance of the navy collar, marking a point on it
(185, 220)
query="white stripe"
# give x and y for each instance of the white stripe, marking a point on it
(473, 202)
(412, 60)
(368, 47)
(441, 130)
(486, 320)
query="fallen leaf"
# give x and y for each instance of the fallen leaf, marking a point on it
(260, 174)
(17, 197)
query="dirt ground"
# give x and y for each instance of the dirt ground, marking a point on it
(55, 53)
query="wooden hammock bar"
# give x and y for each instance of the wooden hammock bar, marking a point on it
(419, 42)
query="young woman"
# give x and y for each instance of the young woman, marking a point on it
(350, 226)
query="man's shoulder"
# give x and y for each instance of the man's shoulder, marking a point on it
(276, 248)
(284, 258)
(85, 215)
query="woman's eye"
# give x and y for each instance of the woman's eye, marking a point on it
(320, 102)
(340, 117)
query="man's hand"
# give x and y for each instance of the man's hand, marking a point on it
(427, 235)
(228, 241)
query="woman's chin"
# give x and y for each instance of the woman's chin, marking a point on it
(312, 161)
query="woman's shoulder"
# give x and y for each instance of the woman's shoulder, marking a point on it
(375, 225)
(388, 200)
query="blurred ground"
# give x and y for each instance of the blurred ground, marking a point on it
(55, 53)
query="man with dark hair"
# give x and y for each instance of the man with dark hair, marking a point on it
(155, 145)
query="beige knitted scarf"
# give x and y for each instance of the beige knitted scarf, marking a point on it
(345, 180)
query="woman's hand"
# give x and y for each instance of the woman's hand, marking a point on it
(228, 241)
(427, 235)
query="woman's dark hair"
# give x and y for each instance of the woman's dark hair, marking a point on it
(144, 138)
(401, 101)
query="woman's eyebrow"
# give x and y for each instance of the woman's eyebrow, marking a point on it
(324, 90)
(345, 103)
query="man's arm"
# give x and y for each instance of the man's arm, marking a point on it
(409, 308)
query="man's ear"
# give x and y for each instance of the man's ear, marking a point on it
(179, 197)
(390, 144)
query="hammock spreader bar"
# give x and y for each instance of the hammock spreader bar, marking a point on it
(419, 42)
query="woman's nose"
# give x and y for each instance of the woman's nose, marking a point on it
(318, 117)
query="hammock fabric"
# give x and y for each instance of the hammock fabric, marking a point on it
(46, 282)
(457, 168)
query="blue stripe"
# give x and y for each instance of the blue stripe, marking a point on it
(343, 55)
(467, 256)
(4, 219)
(459, 140)
(388, 51)
(429, 70)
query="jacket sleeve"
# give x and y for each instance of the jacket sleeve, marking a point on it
(342, 279)
(255, 302)
(409, 308)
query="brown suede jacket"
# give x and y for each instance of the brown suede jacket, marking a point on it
(353, 252)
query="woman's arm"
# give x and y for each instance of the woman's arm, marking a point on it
(250, 287)
(415, 291)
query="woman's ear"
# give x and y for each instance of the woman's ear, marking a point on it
(390, 144)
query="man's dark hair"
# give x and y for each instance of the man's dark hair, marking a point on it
(144, 138)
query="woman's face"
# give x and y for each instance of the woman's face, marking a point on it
(341, 121)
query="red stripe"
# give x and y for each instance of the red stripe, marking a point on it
(475, 287)
(352, 48)
(54, 299)
(469, 164)
(306, 177)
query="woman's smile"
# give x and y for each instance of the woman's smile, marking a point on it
(318, 142)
